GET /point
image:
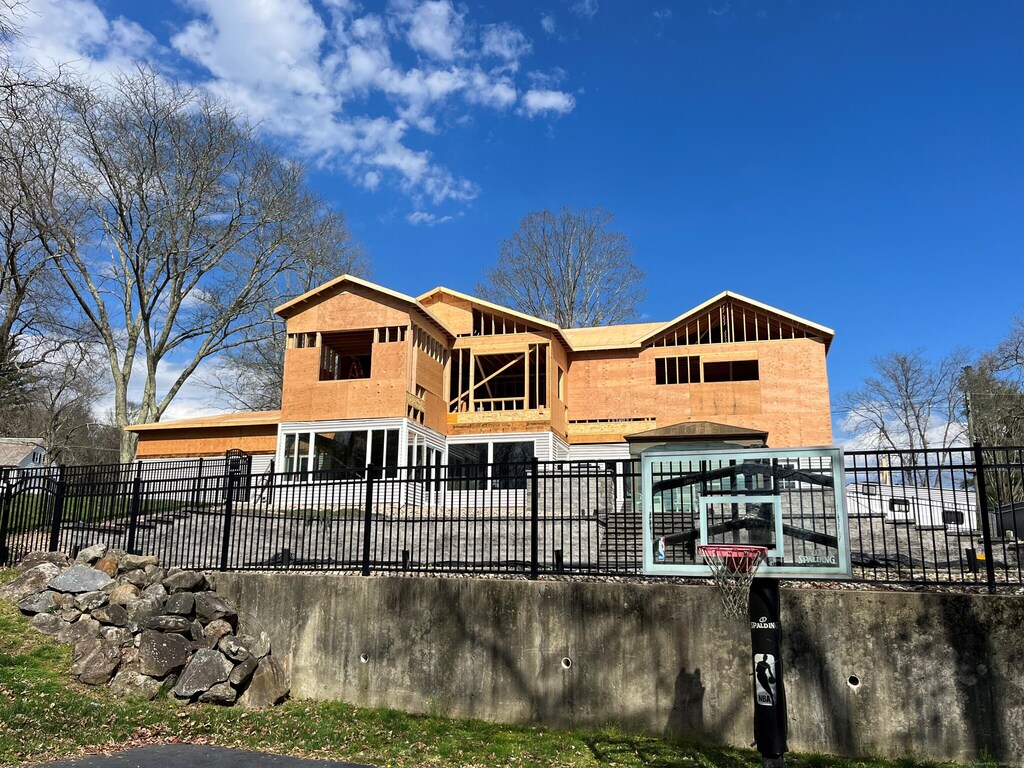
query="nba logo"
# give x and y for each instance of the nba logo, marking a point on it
(661, 550)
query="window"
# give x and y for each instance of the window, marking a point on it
(346, 355)
(732, 370)
(511, 462)
(467, 467)
(677, 370)
(561, 385)
(301, 340)
(296, 453)
(952, 517)
(340, 454)
(900, 506)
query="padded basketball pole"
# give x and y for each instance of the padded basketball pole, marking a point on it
(769, 692)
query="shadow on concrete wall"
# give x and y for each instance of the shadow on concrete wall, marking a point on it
(804, 651)
(968, 636)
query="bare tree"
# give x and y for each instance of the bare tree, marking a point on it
(32, 305)
(250, 376)
(568, 268)
(994, 403)
(170, 222)
(910, 402)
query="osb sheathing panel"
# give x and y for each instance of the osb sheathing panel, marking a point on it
(186, 443)
(790, 401)
(349, 310)
(306, 398)
(559, 410)
(456, 314)
(430, 376)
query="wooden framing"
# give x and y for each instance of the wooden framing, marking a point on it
(459, 365)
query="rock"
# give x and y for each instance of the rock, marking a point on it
(161, 654)
(90, 555)
(135, 562)
(32, 559)
(42, 602)
(129, 657)
(130, 684)
(196, 633)
(214, 631)
(95, 660)
(70, 614)
(108, 565)
(210, 606)
(47, 623)
(233, 649)
(154, 575)
(180, 603)
(221, 693)
(136, 578)
(269, 685)
(124, 594)
(77, 631)
(158, 590)
(111, 614)
(165, 623)
(185, 581)
(64, 600)
(204, 670)
(242, 672)
(79, 578)
(90, 601)
(142, 610)
(29, 582)
(259, 646)
(118, 635)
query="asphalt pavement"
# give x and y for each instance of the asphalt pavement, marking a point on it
(194, 756)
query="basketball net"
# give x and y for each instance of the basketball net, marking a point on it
(733, 566)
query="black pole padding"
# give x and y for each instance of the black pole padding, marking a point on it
(769, 691)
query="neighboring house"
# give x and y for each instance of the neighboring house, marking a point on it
(22, 452)
(372, 376)
(924, 507)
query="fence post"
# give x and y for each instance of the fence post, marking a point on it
(5, 514)
(58, 511)
(534, 516)
(229, 500)
(134, 508)
(986, 525)
(371, 476)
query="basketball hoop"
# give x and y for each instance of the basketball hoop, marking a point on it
(733, 566)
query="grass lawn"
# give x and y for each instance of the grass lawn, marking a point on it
(44, 714)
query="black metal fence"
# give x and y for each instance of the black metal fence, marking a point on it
(924, 517)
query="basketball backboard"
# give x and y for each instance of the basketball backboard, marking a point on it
(789, 500)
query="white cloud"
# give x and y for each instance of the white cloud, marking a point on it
(429, 219)
(333, 82)
(585, 8)
(371, 180)
(548, 23)
(537, 102)
(662, 14)
(505, 42)
(433, 27)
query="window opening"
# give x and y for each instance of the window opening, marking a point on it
(733, 370)
(301, 340)
(677, 370)
(346, 355)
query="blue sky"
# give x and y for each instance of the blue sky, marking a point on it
(857, 163)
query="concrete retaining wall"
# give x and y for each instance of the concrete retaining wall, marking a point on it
(936, 676)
